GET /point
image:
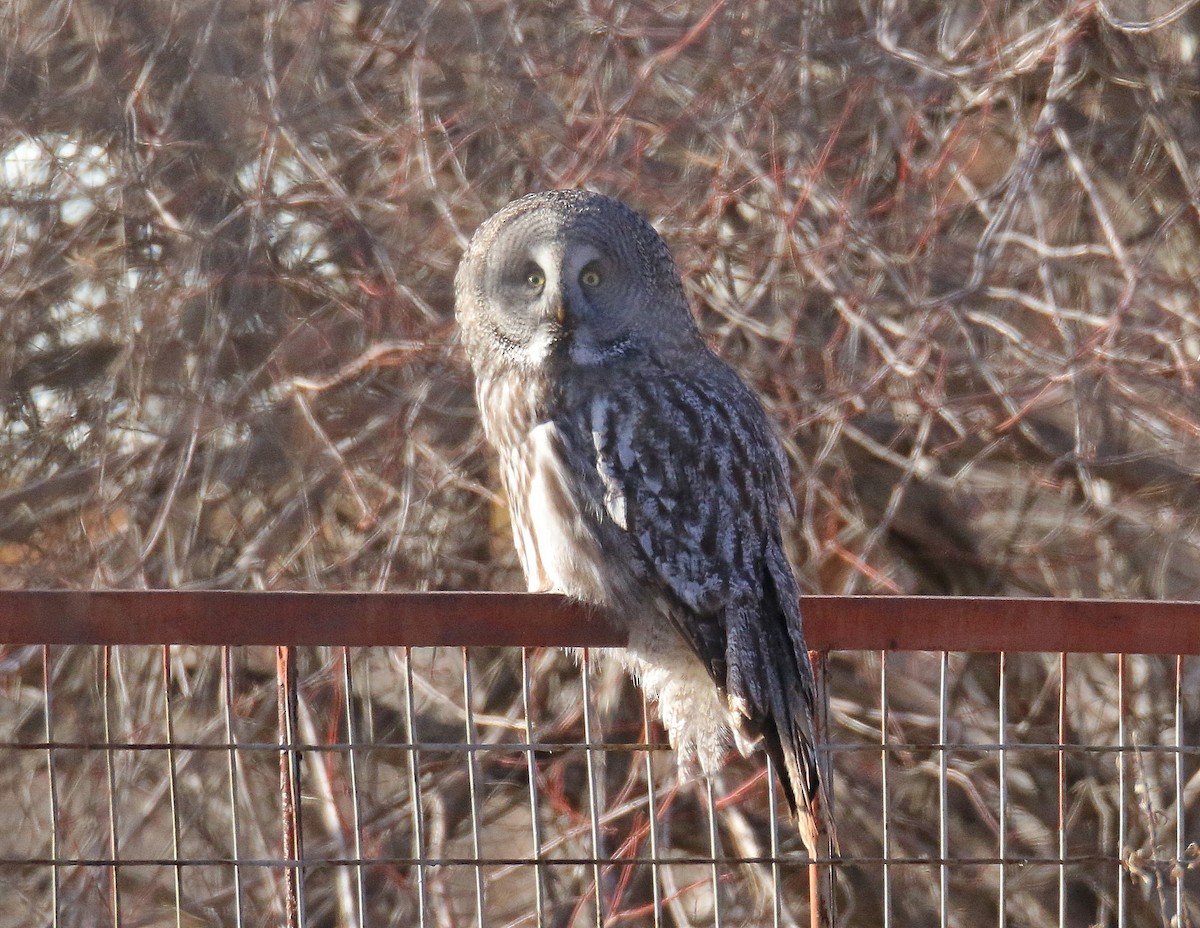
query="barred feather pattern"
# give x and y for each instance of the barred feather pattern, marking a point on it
(644, 478)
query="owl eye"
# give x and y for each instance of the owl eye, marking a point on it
(534, 278)
(590, 276)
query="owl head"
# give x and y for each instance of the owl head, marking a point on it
(569, 277)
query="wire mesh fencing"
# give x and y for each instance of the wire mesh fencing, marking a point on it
(496, 784)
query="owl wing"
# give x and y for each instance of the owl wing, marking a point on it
(693, 478)
(691, 474)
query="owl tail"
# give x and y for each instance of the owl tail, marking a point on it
(788, 738)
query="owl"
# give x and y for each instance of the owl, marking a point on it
(642, 475)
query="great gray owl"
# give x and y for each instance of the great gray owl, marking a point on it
(642, 475)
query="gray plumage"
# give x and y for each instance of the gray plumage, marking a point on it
(642, 474)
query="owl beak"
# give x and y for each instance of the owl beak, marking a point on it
(561, 310)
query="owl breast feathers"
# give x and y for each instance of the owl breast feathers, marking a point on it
(642, 475)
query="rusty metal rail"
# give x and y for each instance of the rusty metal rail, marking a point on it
(832, 623)
(415, 758)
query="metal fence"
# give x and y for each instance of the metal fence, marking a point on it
(364, 760)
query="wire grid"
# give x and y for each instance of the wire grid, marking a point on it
(240, 786)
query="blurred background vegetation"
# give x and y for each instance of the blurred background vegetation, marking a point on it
(955, 248)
